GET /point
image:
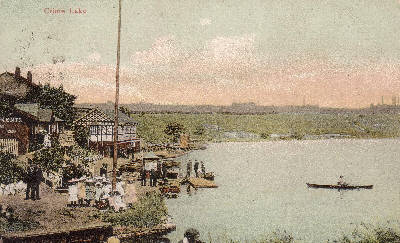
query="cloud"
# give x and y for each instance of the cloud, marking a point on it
(227, 69)
(94, 57)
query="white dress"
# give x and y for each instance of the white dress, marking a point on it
(73, 193)
(99, 193)
(118, 203)
(107, 191)
(120, 188)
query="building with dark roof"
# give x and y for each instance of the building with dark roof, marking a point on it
(26, 125)
(15, 87)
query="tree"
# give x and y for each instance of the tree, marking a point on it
(9, 171)
(56, 99)
(200, 130)
(50, 159)
(81, 136)
(174, 129)
(72, 171)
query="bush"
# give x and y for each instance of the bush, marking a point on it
(174, 129)
(373, 235)
(50, 159)
(74, 171)
(81, 136)
(148, 212)
(274, 237)
(264, 135)
(9, 171)
(9, 222)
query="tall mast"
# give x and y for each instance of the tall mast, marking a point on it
(115, 157)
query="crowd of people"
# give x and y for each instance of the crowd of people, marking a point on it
(195, 168)
(97, 192)
(152, 175)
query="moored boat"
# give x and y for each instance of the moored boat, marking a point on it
(209, 176)
(340, 187)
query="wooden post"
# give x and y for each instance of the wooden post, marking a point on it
(115, 155)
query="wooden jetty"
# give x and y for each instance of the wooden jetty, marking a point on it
(199, 182)
(93, 233)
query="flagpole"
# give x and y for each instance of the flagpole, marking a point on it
(115, 142)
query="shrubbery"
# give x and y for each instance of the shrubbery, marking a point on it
(372, 234)
(50, 159)
(9, 222)
(9, 171)
(149, 211)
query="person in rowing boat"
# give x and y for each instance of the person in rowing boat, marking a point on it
(341, 181)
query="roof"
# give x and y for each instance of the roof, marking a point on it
(20, 78)
(15, 87)
(105, 114)
(34, 110)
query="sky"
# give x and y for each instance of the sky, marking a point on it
(336, 53)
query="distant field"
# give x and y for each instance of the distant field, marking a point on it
(220, 127)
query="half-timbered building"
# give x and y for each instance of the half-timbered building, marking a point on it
(100, 123)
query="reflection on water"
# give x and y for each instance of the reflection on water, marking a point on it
(262, 188)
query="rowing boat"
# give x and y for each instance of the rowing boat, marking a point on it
(340, 187)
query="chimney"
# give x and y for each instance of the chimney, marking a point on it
(29, 76)
(17, 72)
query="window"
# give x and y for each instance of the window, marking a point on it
(109, 130)
(93, 130)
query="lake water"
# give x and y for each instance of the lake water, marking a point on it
(262, 188)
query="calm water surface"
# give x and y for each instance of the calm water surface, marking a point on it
(262, 188)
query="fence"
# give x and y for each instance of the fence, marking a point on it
(9, 145)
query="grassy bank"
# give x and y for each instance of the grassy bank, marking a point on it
(219, 127)
(362, 234)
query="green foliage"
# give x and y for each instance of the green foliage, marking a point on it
(74, 171)
(149, 211)
(9, 171)
(174, 129)
(50, 159)
(151, 126)
(366, 234)
(15, 224)
(81, 136)
(274, 237)
(264, 135)
(56, 99)
(5, 107)
(199, 130)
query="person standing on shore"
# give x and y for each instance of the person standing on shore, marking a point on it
(188, 168)
(143, 177)
(155, 178)
(196, 168)
(28, 180)
(164, 171)
(152, 175)
(103, 170)
(203, 168)
(38, 177)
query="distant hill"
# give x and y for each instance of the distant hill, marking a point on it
(245, 108)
